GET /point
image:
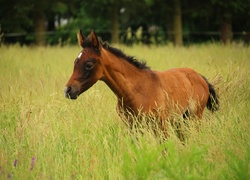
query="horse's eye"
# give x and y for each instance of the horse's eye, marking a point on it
(89, 65)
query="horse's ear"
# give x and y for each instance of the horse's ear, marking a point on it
(94, 40)
(80, 38)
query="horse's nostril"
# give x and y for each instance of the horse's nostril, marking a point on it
(70, 92)
(68, 89)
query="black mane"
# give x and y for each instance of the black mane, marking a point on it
(130, 59)
(119, 53)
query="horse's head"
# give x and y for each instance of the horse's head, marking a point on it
(87, 66)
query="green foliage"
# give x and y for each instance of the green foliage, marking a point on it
(15, 16)
(231, 5)
(46, 136)
(238, 166)
(20, 18)
(60, 8)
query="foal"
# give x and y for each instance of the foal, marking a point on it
(139, 89)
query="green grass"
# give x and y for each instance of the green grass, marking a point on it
(85, 139)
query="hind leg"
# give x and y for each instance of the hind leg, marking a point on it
(196, 118)
(199, 110)
(180, 125)
(195, 115)
(199, 113)
(196, 108)
(186, 115)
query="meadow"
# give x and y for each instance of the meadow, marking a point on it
(43, 135)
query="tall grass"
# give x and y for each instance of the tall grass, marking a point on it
(45, 136)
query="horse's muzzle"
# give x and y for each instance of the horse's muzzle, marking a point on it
(69, 93)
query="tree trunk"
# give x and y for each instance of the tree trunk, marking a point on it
(226, 30)
(39, 21)
(177, 24)
(170, 29)
(51, 23)
(115, 24)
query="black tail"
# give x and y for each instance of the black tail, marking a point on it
(213, 101)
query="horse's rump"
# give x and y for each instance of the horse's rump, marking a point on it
(185, 90)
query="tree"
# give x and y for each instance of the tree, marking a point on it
(169, 15)
(110, 18)
(15, 17)
(39, 22)
(31, 16)
(226, 10)
(115, 22)
(177, 21)
(109, 13)
(45, 11)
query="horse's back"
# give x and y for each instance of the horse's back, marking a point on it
(196, 80)
(187, 76)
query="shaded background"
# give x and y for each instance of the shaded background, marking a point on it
(180, 22)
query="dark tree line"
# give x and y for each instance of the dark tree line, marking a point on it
(172, 20)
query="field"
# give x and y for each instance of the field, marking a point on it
(43, 135)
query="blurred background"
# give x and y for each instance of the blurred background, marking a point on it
(159, 22)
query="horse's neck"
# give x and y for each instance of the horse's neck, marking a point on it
(123, 78)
